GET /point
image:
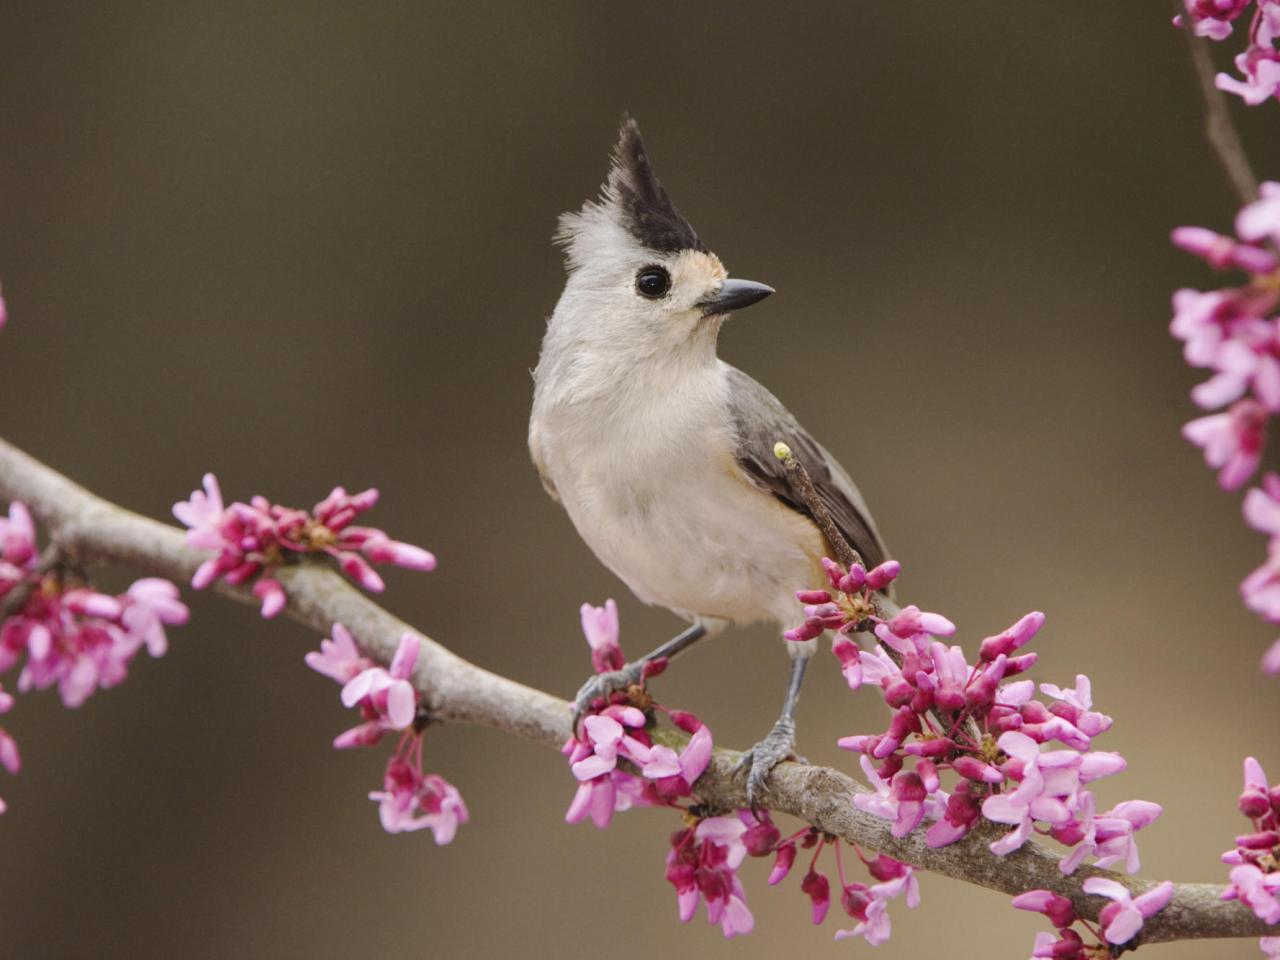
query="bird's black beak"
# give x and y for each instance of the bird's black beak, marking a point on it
(734, 295)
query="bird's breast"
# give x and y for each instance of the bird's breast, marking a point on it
(662, 502)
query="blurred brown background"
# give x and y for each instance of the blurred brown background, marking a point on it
(310, 244)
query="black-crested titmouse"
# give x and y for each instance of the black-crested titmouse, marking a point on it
(661, 453)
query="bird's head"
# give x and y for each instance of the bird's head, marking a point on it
(639, 275)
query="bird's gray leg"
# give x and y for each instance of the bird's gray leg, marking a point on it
(603, 685)
(780, 744)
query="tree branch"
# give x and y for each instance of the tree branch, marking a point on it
(456, 690)
(1218, 127)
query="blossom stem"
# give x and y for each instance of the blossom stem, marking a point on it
(1219, 129)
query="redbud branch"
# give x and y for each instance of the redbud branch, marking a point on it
(458, 691)
(1218, 127)
(845, 552)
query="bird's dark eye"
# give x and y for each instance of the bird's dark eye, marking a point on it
(653, 282)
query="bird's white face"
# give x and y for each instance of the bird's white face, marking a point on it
(640, 299)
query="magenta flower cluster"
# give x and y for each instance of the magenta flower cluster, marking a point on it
(618, 765)
(1118, 922)
(703, 860)
(253, 540)
(71, 636)
(1260, 590)
(1235, 333)
(978, 724)
(410, 798)
(1255, 859)
(866, 904)
(1259, 62)
(618, 730)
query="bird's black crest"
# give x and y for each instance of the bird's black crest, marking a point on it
(648, 213)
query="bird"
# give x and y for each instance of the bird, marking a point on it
(662, 454)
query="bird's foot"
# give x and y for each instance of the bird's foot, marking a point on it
(759, 761)
(602, 686)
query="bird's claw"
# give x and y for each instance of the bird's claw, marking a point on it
(759, 761)
(602, 686)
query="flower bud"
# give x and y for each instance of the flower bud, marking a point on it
(761, 838)
(1057, 908)
(880, 577)
(819, 890)
(782, 863)
(854, 580)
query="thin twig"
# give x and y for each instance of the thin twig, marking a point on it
(799, 476)
(458, 691)
(1218, 127)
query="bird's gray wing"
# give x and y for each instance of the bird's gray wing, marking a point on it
(760, 421)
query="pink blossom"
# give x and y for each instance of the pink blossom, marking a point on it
(602, 735)
(936, 697)
(1057, 908)
(1260, 590)
(960, 814)
(1270, 662)
(903, 800)
(1034, 799)
(1261, 78)
(600, 625)
(338, 659)
(850, 657)
(761, 836)
(10, 758)
(1012, 638)
(911, 620)
(254, 539)
(386, 697)
(875, 927)
(1122, 919)
(147, 607)
(1232, 441)
(412, 800)
(271, 592)
(1261, 506)
(74, 637)
(702, 865)
(1223, 252)
(602, 788)
(202, 512)
(1108, 836)
(1260, 221)
(1075, 706)
(1257, 890)
(783, 860)
(1204, 322)
(880, 577)
(674, 774)
(818, 889)
(1212, 18)
(1068, 946)
(1255, 800)
(17, 537)
(604, 796)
